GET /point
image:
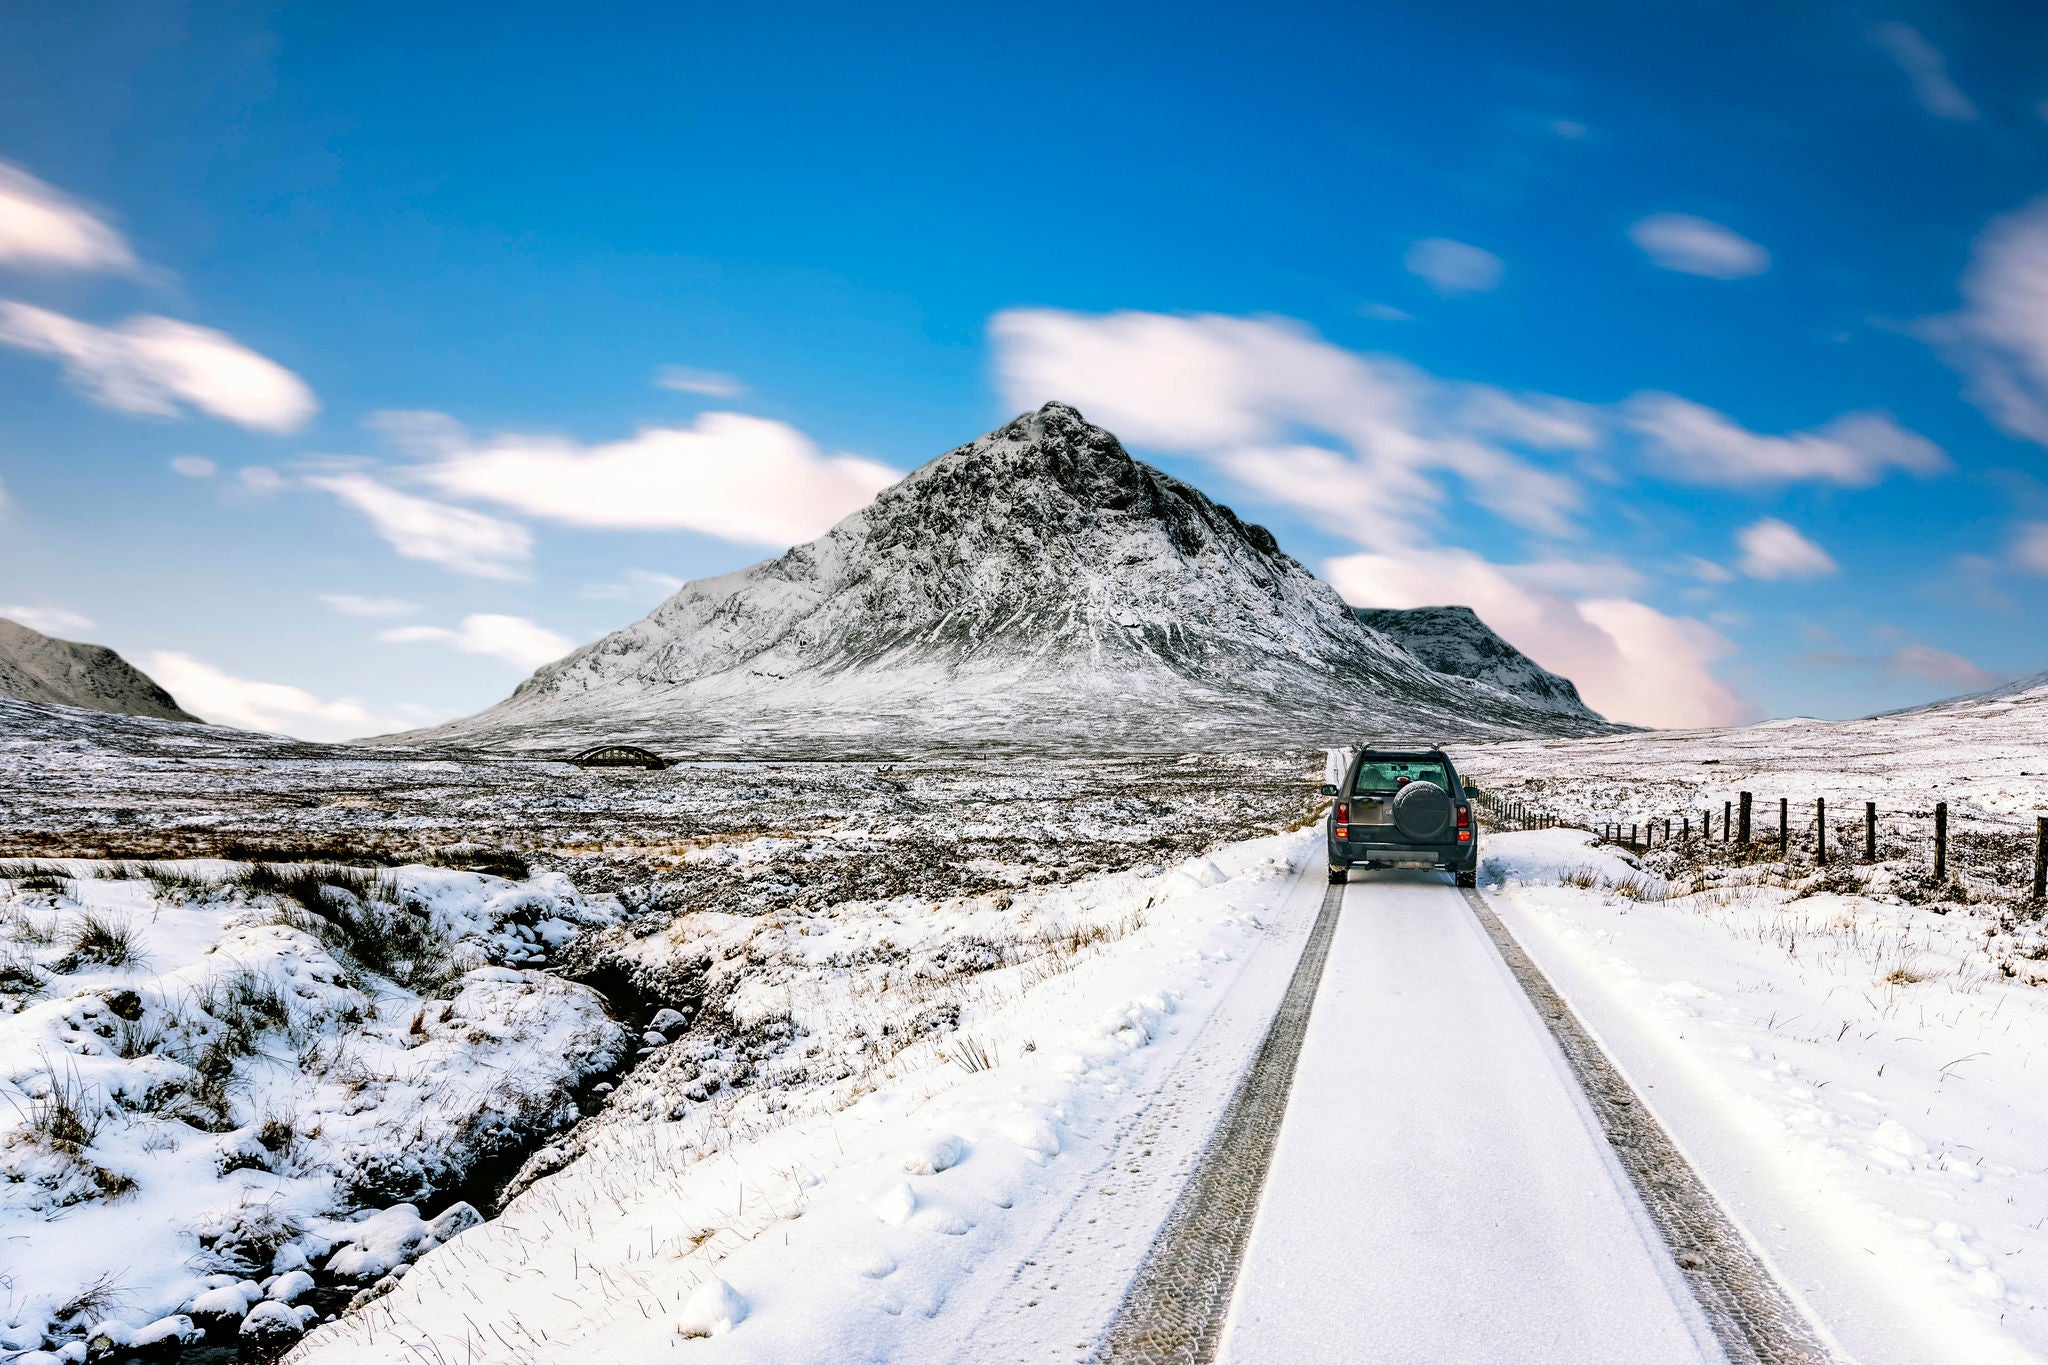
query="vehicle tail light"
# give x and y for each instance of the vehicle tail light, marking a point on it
(1464, 824)
(1343, 818)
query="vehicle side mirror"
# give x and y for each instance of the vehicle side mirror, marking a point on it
(1329, 789)
(1471, 790)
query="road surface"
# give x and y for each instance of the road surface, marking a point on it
(1440, 1189)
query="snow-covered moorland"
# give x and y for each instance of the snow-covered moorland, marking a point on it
(907, 1097)
(1985, 756)
(210, 1069)
(702, 890)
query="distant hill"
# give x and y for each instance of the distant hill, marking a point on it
(35, 667)
(1454, 640)
(1037, 587)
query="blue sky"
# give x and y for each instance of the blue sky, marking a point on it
(1702, 347)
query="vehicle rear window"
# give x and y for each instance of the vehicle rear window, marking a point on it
(1389, 774)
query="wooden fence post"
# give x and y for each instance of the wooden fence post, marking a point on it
(1941, 841)
(1870, 831)
(1727, 816)
(1685, 829)
(1667, 831)
(1743, 835)
(1784, 828)
(2041, 857)
(1633, 842)
(1820, 817)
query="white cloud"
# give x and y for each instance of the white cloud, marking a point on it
(511, 638)
(1384, 312)
(453, 537)
(422, 435)
(712, 383)
(195, 466)
(1238, 391)
(1706, 570)
(152, 365)
(1925, 67)
(1907, 658)
(743, 479)
(1454, 267)
(1568, 128)
(1773, 549)
(2000, 337)
(273, 707)
(42, 228)
(1631, 662)
(1939, 667)
(2030, 546)
(1689, 443)
(635, 585)
(49, 620)
(370, 608)
(1679, 241)
(262, 479)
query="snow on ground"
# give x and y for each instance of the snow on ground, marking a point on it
(208, 1068)
(1856, 1077)
(916, 1129)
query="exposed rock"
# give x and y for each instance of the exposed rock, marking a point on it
(220, 1308)
(269, 1331)
(292, 1286)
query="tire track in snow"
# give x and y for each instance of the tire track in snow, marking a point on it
(1176, 1307)
(1753, 1319)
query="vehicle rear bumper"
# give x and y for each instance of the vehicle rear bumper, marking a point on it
(1356, 852)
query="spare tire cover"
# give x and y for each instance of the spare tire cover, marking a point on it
(1422, 812)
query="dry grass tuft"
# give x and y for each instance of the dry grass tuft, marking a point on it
(65, 1117)
(969, 1055)
(109, 942)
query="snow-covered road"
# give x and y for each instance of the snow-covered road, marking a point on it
(1441, 1189)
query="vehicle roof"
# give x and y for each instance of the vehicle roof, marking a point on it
(1416, 751)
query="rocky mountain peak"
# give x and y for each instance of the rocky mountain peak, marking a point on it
(1037, 584)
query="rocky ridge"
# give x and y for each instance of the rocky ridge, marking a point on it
(36, 667)
(1454, 640)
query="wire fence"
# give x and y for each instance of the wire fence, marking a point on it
(1507, 813)
(1809, 830)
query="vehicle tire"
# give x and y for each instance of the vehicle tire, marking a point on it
(1339, 875)
(1468, 878)
(1423, 813)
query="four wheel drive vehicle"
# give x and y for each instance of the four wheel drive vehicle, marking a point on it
(1402, 808)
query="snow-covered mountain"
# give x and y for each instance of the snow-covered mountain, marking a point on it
(1036, 586)
(35, 667)
(1454, 640)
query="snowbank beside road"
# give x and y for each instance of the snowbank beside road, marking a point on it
(1856, 1079)
(206, 1068)
(919, 1127)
